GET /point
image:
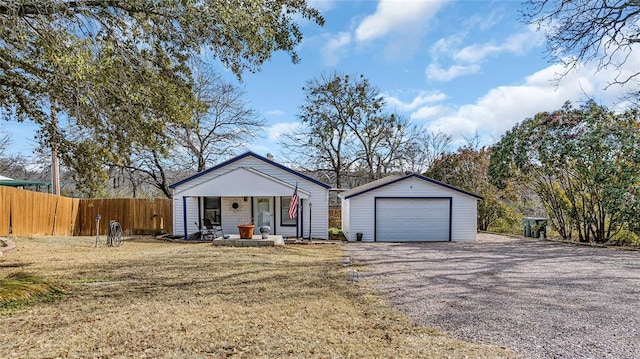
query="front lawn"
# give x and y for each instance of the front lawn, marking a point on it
(157, 299)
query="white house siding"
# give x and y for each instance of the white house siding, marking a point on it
(345, 216)
(231, 217)
(361, 216)
(317, 194)
(192, 215)
(463, 208)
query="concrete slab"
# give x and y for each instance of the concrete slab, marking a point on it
(257, 241)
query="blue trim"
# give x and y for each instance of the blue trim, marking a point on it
(247, 154)
(184, 217)
(451, 218)
(375, 215)
(419, 177)
(200, 205)
(275, 223)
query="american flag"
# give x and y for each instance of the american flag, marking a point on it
(293, 204)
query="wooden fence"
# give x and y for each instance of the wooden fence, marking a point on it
(29, 213)
(335, 218)
(136, 215)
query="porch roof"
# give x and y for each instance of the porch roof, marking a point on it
(243, 182)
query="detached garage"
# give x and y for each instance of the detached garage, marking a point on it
(410, 208)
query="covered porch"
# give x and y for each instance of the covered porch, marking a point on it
(245, 195)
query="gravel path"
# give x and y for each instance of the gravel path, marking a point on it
(541, 299)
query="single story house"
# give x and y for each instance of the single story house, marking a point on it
(251, 188)
(410, 208)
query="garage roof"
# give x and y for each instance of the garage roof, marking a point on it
(396, 178)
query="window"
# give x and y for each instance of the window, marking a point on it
(284, 212)
(212, 210)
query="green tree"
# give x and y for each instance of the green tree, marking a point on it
(583, 163)
(116, 73)
(467, 169)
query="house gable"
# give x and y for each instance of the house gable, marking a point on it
(235, 183)
(244, 155)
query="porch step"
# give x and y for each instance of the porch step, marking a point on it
(257, 241)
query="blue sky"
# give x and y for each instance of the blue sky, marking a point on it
(460, 67)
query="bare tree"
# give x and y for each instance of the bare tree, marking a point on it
(346, 136)
(423, 149)
(223, 124)
(324, 141)
(584, 30)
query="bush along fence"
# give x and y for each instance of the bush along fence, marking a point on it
(28, 213)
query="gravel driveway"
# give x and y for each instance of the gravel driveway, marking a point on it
(541, 299)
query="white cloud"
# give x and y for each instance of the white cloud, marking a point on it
(275, 131)
(332, 50)
(275, 113)
(421, 99)
(517, 44)
(475, 53)
(428, 112)
(446, 46)
(397, 15)
(502, 107)
(467, 60)
(438, 73)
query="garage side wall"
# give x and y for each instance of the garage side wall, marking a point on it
(345, 216)
(361, 211)
(361, 217)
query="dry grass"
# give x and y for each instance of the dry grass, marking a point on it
(156, 299)
(22, 288)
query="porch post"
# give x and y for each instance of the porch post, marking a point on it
(184, 216)
(310, 217)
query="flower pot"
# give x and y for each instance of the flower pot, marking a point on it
(246, 231)
(265, 230)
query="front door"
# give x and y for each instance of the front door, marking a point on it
(263, 213)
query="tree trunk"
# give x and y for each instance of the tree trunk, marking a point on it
(55, 167)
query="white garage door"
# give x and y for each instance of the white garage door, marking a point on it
(412, 219)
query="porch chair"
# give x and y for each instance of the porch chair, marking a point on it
(211, 232)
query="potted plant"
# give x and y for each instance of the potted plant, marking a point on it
(245, 228)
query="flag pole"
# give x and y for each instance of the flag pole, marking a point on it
(294, 207)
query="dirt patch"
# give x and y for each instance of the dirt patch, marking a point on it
(540, 298)
(159, 299)
(6, 246)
